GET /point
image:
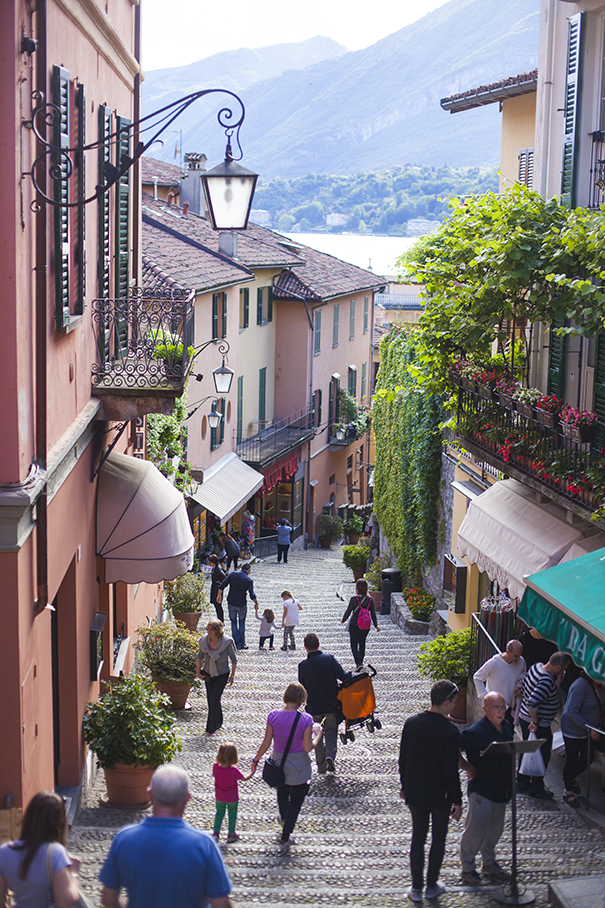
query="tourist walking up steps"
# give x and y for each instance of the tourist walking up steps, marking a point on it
(290, 619)
(430, 785)
(226, 791)
(320, 674)
(362, 615)
(284, 539)
(215, 651)
(240, 586)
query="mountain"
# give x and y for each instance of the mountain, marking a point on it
(379, 107)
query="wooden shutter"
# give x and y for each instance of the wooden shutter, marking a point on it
(213, 437)
(557, 358)
(122, 239)
(571, 116)
(352, 321)
(331, 414)
(317, 331)
(366, 314)
(223, 410)
(262, 394)
(599, 389)
(259, 305)
(215, 316)
(224, 316)
(244, 307)
(104, 251)
(335, 325)
(353, 382)
(80, 247)
(317, 409)
(364, 374)
(270, 304)
(60, 91)
(526, 167)
(240, 408)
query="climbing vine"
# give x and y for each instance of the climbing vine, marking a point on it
(406, 422)
(166, 444)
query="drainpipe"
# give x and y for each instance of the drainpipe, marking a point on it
(308, 471)
(136, 167)
(41, 316)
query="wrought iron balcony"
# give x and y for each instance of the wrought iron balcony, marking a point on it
(596, 192)
(341, 435)
(144, 344)
(530, 445)
(277, 440)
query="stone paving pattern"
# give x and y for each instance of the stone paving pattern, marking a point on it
(353, 833)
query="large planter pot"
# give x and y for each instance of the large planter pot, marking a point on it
(458, 710)
(127, 785)
(325, 542)
(178, 691)
(353, 539)
(376, 597)
(358, 573)
(189, 619)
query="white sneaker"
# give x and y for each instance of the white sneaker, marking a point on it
(431, 892)
(414, 895)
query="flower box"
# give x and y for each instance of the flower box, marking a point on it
(546, 418)
(526, 409)
(506, 400)
(468, 384)
(582, 435)
(455, 378)
(486, 391)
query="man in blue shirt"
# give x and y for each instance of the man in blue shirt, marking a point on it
(319, 674)
(240, 584)
(164, 861)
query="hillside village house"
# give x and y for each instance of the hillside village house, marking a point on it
(78, 374)
(522, 534)
(299, 327)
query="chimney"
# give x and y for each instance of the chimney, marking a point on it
(227, 243)
(185, 209)
(191, 185)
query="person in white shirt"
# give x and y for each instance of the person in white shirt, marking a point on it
(290, 618)
(501, 673)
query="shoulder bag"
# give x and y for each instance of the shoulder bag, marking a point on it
(273, 772)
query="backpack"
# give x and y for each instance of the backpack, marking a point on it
(364, 619)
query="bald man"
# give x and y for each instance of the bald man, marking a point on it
(489, 790)
(501, 673)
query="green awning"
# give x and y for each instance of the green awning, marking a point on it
(566, 604)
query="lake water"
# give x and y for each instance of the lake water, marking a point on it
(376, 253)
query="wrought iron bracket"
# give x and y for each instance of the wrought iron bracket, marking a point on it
(59, 162)
(109, 449)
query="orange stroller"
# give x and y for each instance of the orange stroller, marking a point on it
(358, 703)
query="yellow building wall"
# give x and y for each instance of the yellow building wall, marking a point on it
(518, 129)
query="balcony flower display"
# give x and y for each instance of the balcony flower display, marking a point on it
(579, 425)
(548, 408)
(526, 399)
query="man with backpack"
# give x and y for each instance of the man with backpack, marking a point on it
(319, 674)
(363, 615)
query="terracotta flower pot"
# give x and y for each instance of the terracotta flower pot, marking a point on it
(178, 691)
(458, 711)
(189, 619)
(353, 539)
(358, 573)
(376, 597)
(127, 785)
(325, 542)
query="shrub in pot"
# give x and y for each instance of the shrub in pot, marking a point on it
(354, 528)
(131, 733)
(448, 657)
(328, 529)
(186, 598)
(169, 651)
(356, 558)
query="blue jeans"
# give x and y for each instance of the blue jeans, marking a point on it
(237, 616)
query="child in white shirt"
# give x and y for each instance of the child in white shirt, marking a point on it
(290, 618)
(266, 627)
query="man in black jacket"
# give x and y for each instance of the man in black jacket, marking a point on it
(430, 785)
(319, 674)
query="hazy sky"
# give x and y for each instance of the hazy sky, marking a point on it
(177, 32)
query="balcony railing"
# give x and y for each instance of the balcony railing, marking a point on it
(144, 343)
(277, 440)
(596, 191)
(343, 435)
(520, 444)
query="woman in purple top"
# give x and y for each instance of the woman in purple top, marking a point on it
(297, 768)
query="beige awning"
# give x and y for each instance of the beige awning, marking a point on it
(584, 546)
(143, 530)
(227, 485)
(508, 534)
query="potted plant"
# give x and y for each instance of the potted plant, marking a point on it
(356, 558)
(185, 597)
(169, 651)
(548, 408)
(448, 657)
(526, 400)
(506, 388)
(132, 733)
(373, 576)
(420, 602)
(579, 425)
(354, 528)
(328, 529)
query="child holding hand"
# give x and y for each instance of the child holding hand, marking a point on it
(290, 618)
(266, 626)
(226, 776)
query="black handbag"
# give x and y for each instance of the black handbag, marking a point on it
(273, 773)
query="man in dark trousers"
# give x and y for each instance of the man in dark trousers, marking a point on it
(240, 585)
(489, 790)
(319, 674)
(231, 548)
(430, 785)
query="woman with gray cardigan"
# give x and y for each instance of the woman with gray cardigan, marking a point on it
(583, 707)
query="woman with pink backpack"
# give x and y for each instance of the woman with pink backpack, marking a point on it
(362, 615)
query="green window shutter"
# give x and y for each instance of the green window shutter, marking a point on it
(269, 304)
(259, 305)
(240, 408)
(364, 373)
(331, 414)
(571, 116)
(61, 129)
(317, 332)
(352, 320)
(318, 408)
(122, 238)
(104, 250)
(213, 435)
(80, 249)
(599, 390)
(224, 316)
(366, 314)
(335, 325)
(244, 307)
(557, 358)
(215, 316)
(262, 393)
(223, 410)
(353, 382)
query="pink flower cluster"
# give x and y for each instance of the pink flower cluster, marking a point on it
(574, 417)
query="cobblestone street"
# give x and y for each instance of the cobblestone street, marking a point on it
(353, 833)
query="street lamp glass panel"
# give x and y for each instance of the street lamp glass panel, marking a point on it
(214, 419)
(229, 189)
(340, 434)
(223, 376)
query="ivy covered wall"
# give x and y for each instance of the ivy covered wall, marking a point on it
(407, 476)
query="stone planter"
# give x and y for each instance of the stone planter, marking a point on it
(189, 619)
(402, 616)
(127, 785)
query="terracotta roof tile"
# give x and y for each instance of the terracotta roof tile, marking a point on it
(167, 174)
(324, 277)
(510, 87)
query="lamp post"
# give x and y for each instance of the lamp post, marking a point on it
(229, 189)
(222, 375)
(214, 417)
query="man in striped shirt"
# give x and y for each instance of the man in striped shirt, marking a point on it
(539, 707)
